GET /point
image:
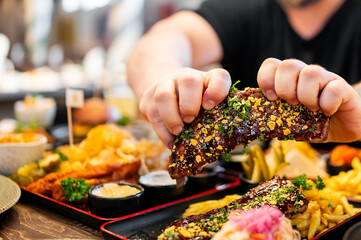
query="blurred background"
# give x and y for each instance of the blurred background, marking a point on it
(47, 46)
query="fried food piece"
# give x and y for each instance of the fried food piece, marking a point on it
(50, 185)
(241, 118)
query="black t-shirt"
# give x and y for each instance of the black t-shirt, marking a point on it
(253, 30)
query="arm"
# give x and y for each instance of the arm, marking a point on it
(167, 92)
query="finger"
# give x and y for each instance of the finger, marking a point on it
(286, 78)
(159, 127)
(190, 90)
(166, 102)
(312, 80)
(217, 83)
(266, 77)
(335, 94)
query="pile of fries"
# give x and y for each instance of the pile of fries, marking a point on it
(346, 183)
(324, 211)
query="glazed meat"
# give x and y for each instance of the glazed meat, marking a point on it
(241, 118)
(278, 193)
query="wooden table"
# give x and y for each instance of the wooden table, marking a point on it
(30, 221)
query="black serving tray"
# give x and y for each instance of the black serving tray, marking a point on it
(149, 225)
(221, 183)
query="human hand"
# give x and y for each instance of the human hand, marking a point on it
(318, 89)
(177, 98)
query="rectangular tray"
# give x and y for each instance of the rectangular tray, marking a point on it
(221, 183)
(149, 225)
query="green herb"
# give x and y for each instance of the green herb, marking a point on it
(259, 199)
(220, 128)
(209, 121)
(227, 156)
(237, 206)
(301, 181)
(261, 136)
(281, 199)
(75, 189)
(230, 132)
(312, 128)
(295, 208)
(225, 111)
(319, 183)
(330, 204)
(176, 141)
(124, 121)
(172, 235)
(234, 88)
(259, 90)
(61, 155)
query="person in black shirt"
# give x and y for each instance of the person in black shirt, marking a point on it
(249, 37)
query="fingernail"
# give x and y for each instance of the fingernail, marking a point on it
(177, 130)
(188, 119)
(271, 95)
(209, 104)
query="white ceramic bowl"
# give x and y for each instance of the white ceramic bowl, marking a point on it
(16, 155)
(43, 112)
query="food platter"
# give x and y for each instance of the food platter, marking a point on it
(9, 193)
(149, 225)
(222, 183)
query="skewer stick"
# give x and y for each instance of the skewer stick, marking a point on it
(70, 126)
(73, 98)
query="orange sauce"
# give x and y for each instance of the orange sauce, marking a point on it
(113, 190)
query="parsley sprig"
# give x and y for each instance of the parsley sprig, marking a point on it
(75, 189)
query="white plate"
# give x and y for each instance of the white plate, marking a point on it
(9, 193)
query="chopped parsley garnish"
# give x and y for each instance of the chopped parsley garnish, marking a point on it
(221, 128)
(234, 88)
(75, 189)
(261, 136)
(319, 183)
(171, 234)
(259, 90)
(209, 121)
(176, 141)
(227, 156)
(312, 128)
(301, 181)
(61, 155)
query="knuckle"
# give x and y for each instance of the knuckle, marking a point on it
(289, 64)
(189, 79)
(271, 61)
(311, 72)
(162, 95)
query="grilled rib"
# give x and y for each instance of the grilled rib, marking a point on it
(241, 118)
(278, 193)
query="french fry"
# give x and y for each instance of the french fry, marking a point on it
(304, 225)
(314, 223)
(335, 218)
(338, 210)
(347, 206)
